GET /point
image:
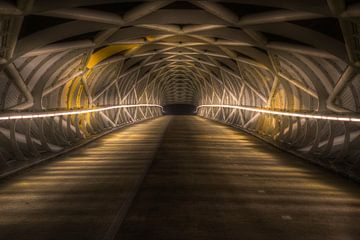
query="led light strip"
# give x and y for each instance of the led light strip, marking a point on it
(290, 114)
(70, 112)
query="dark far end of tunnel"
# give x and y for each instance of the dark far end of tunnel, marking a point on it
(179, 109)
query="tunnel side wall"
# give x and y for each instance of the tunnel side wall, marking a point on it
(333, 144)
(62, 82)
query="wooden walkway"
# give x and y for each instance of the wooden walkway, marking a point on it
(180, 177)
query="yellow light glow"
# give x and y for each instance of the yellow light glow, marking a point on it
(108, 52)
(71, 112)
(343, 118)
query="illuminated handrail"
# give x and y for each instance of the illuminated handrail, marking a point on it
(344, 118)
(29, 115)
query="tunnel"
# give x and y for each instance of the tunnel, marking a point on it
(179, 120)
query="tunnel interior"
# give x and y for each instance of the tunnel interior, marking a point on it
(285, 72)
(260, 139)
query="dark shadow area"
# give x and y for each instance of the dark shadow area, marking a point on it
(179, 109)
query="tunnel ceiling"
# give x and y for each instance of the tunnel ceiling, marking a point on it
(81, 54)
(181, 51)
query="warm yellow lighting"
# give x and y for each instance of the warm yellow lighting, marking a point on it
(108, 52)
(290, 114)
(71, 112)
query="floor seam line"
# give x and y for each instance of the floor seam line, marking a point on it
(125, 206)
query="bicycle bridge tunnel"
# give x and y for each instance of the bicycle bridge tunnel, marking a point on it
(126, 119)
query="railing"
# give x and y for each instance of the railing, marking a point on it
(330, 140)
(33, 137)
(337, 117)
(29, 115)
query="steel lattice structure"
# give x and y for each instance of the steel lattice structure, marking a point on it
(289, 56)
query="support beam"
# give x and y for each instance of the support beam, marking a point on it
(85, 15)
(15, 76)
(276, 16)
(59, 47)
(301, 49)
(344, 79)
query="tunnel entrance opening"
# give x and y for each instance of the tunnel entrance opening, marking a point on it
(179, 109)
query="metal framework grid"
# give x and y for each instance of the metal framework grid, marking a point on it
(90, 54)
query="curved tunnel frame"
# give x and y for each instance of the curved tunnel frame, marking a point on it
(159, 53)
